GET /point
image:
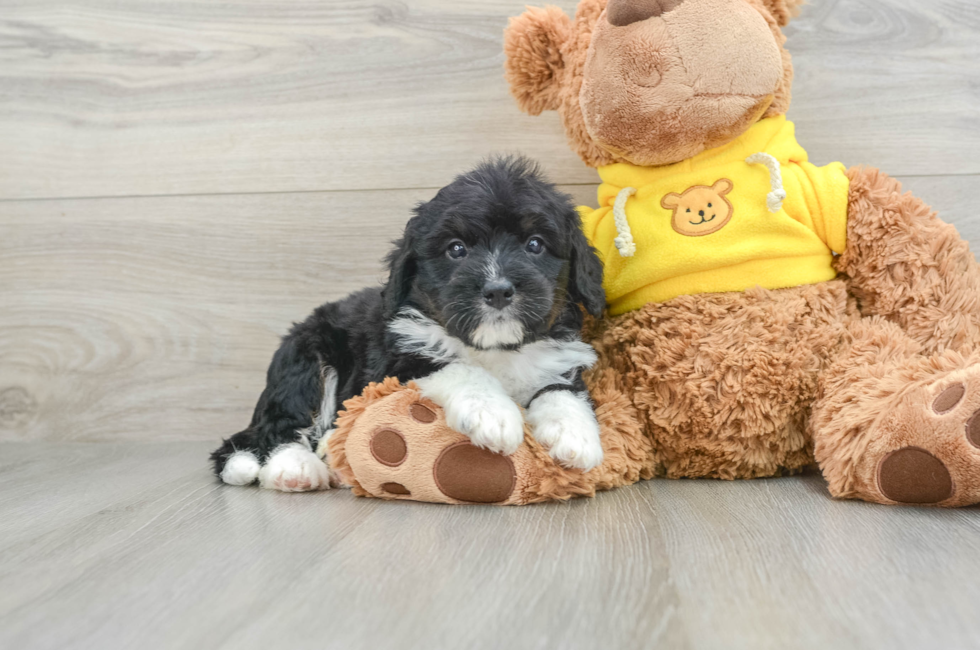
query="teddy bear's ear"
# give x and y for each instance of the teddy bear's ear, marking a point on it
(532, 44)
(784, 10)
(671, 201)
(723, 186)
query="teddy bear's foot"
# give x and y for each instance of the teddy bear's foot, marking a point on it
(927, 450)
(392, 443)
(402, 448)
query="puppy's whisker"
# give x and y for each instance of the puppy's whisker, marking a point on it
(454, 316)
(458, 301)
(448, 308)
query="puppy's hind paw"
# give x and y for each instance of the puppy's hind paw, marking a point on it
(241, 468)
(294, 468)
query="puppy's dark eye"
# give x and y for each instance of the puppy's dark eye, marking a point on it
(535, 245)
(456, 250)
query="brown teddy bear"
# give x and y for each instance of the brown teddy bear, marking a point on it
(764, 313)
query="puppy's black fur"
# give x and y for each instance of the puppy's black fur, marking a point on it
(490, 213)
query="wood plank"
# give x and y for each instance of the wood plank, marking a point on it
(155, 318)
(78, 481)
(101, 98)
(889, 83)
(193, 564)
(184, 562)
(777, 563)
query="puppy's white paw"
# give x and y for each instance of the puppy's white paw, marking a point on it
(573, 443)
(241, 468)
(294, 468)
(476, 404)
(491, 421)
(565, 424)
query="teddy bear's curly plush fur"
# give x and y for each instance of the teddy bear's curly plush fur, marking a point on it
(875, 374)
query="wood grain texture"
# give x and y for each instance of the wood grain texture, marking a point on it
(155, 318)
(109, 98)
(154, 554)
(894, 84)
(270, 151)
(779, 564)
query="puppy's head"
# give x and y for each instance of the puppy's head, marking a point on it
(497, 258)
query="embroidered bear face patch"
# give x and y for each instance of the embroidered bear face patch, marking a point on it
(700, 210)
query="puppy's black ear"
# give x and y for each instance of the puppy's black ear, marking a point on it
(402, 266)
(585, 283)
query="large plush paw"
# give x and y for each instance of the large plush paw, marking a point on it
(393, 442)
(491, 421)
(928, 449)
(294, 468)
(402, 448)
(566, 425)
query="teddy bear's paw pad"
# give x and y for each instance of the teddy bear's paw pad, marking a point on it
(467, 473)
(914, 476)
(948, 403)
(389, 447)
(422, 413)
(927, 451)
(973, 429)
(396, 488)
(947, 400)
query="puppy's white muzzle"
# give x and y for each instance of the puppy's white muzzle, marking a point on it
(497, 328)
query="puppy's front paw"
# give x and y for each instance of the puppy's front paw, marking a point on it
(492, 422)
(572, 443)
(294, 468)
(566, 425)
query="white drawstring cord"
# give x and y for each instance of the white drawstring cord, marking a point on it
(624, 243)
(774, 200)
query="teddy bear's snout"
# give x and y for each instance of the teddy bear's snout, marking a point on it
(620, 13)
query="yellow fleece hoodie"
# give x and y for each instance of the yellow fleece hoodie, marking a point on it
(726, 220)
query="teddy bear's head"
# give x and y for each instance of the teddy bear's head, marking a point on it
(652, 82)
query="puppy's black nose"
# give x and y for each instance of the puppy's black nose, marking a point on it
(626, 12)
(498, 293)
(700, 213)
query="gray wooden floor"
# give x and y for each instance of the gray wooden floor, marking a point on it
(133, 545)
(180, 181)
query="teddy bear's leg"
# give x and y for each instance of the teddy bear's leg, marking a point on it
(392, 443)
(893, 425)
(907, 265)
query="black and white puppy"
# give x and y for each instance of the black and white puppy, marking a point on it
(483, 308)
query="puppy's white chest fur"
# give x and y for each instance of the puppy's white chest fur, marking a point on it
(525, 371)
(522, 372)
(478, 389)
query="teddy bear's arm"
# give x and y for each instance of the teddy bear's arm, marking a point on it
(904, 263)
